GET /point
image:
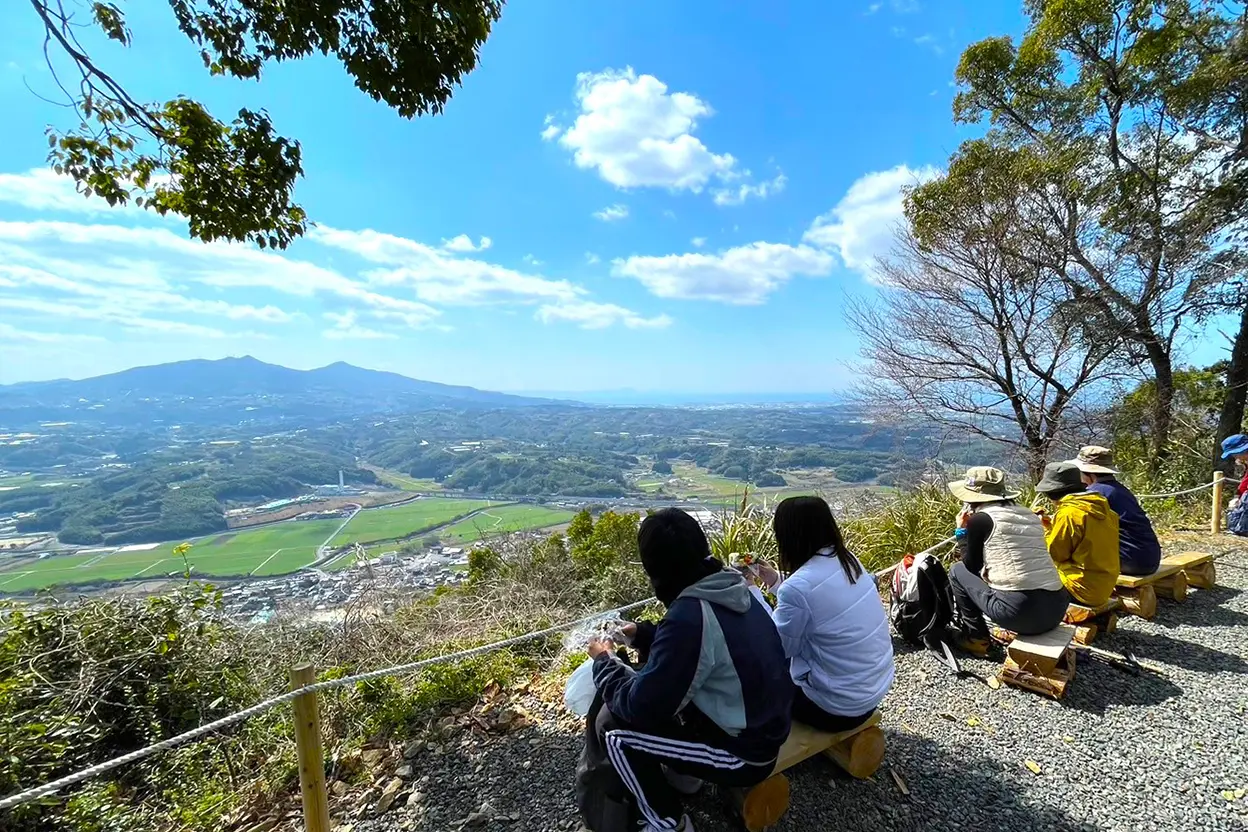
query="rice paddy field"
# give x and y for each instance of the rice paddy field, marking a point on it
(279, 548)
(270, 550)
(399, 521)
(502, 520)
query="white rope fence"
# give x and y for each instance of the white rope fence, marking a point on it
(881, 573)
(1177, 493)
(247, 713)
(260, 707)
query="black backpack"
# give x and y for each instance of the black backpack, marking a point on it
(922, 605)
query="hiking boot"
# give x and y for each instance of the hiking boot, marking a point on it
(684, 783)
(967, 643)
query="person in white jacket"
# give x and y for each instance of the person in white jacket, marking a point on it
(830, 617)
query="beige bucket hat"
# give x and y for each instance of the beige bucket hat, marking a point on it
(982, 484)
(1093, 459)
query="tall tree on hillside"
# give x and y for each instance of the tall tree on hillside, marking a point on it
(1129, 118)
(235, 180)
(973, 336)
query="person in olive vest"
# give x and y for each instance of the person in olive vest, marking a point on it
(1005, 571)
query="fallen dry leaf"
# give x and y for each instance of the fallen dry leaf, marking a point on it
(1032, 766)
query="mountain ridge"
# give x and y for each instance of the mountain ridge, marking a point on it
(243, 388)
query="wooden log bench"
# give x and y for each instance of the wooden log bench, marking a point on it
(1176, 573)
(1090, 622)
(859, 752)
(1043, 663)
(1198, 567)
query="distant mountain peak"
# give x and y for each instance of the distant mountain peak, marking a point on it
(232, 389)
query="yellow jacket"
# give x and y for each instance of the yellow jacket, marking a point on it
(1083, 542)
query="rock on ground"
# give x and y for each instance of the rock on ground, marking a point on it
(1121, 752)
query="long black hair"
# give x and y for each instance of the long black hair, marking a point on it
(804, 526)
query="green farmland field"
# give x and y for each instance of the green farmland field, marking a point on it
(513, 518)
(271, 550)
(404, 520)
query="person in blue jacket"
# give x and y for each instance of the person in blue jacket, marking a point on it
(1139, 551)
(712, 700)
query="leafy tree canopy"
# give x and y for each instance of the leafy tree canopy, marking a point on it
(234, 180)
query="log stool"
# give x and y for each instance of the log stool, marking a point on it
(1043, 663)
(1091, 622)
(859, 752)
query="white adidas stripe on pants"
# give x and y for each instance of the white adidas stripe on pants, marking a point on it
(693, 752)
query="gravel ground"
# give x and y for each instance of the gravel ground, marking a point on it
(1124, 752)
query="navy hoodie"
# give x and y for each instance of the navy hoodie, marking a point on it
(716, 661)
(1139, 551)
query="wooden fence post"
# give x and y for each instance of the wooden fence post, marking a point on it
(1216, 523)
(311, 752)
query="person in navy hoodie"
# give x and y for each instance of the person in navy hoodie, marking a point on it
(1139, 551)
(712, 700)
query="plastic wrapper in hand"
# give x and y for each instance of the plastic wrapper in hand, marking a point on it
(609, 625)
(578, 696)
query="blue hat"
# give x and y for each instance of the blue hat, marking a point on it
(1234, 445)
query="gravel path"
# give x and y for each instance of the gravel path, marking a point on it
(1122, 752)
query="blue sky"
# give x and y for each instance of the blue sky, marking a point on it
(660, 196)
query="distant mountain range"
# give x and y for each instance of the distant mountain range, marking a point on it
(237, 389)
(659, 398)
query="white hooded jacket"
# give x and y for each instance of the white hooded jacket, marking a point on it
(836, 634)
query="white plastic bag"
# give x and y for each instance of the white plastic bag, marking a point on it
(578, 696)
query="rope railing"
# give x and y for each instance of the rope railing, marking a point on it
(316, 687)
(309, 690)
(1178, 493)
(882, 572)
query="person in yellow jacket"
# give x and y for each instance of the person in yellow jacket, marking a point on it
(1082, 535)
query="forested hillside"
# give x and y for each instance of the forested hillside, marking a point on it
(177, 494)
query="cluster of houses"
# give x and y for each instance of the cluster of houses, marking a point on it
(316, 592)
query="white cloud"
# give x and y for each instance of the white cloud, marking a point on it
(929, 41)
(739, 194)
(436, 277)
(114, 316)
(861, 227)
(905, 6)
(105, 253)
(532, 260)
(742, 275)
(152, 280)
(591, 315)
(698, 242)
(346, 327)
(464, 244)
(874, 7)
(636, 134)
(592, 259)
(41, 189)
(612, 213)
(12, 333)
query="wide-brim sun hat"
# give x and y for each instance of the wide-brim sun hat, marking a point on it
(1059, 476)
(1236, 445)
(1094, 459)
(982, 484)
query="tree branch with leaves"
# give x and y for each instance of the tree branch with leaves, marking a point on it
(235, 180)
